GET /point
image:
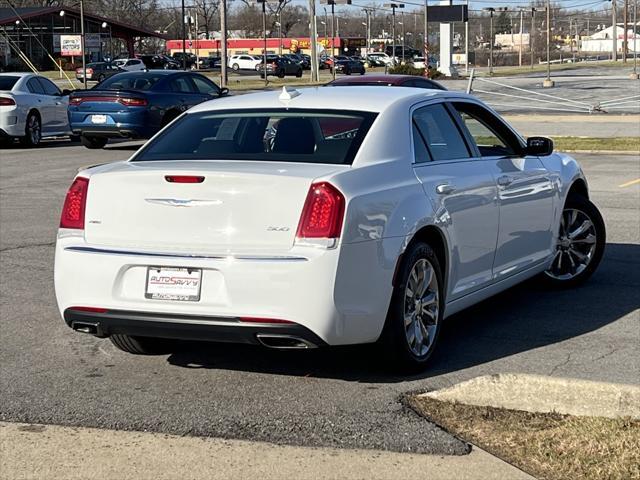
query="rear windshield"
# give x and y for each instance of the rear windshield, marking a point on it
(305, 136)
(7, 83)
(131, 81)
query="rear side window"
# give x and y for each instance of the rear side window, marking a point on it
(7, 83)
(49, 87)
(130, 81)
(444, 140)
(34, 86)
(301, 136)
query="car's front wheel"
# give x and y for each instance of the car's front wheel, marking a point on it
(93, 143)
(415, 314)
(235, 67)
(580, 244)
(140, 345)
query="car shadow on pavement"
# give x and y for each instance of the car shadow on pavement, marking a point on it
(523, 318)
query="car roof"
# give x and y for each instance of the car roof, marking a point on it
(389, 79)
(18, 74)
(365, 98)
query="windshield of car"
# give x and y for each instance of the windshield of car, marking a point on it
(293, 135)
(7, 82)
(131, 81)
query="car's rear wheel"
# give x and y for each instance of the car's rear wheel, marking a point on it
(299, 73)
(32, 130)
(140, 345)
(415, 314)
(281, 74)
(93, 142)
(235, 67)
(580, 244)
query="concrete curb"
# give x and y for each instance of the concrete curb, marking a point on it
(536, 393)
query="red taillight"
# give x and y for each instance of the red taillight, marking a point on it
(126, 101)
(74, 204)
(89, 309)
(4, 101)
(183, 179)
(322, 213)
(89, 71)
(263, 320)
(134, 102)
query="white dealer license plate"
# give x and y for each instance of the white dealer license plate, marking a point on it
(168, 283)
(98, 119)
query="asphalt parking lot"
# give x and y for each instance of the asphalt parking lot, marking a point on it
(335, 397)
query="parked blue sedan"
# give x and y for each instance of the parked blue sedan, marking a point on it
(136, 104)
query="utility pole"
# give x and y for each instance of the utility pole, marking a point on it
(184, 39)
(614, 31)
(315, 73)
(403, 36)
(264, 38)
(548, 83)
(634, 75)
(466, 45)
(223, 43)
(625, 42)
(82, 45)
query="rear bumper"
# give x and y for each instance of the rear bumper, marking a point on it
(186, 327)
(131, 124)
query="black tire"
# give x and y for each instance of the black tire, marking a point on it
(141, 345)
(550, 278)
(281, 74)
(394, 339)
(100, 78)
(235, 67)
(32, 130)
(93, 143)
(347, 72)
(299, 73)
(362, 72)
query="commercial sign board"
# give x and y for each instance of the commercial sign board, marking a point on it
(70, 45)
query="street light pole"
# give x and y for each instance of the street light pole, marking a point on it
(426, 38)
(82, 45)
(634, 75)
(184, 39)
(223, 43)
(520, 49)
(264, 36)
(490, 10)
(614, 30)
(533, 25)
(402, 16)
(393, 7)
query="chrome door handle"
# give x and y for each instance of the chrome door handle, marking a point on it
(505, 180)
(445, 189)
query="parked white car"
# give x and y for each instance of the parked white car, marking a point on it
(381, 56)
(129, 64)
(32, 107)
(322, 216)
(244, 62)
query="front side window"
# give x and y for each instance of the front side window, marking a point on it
(301, 136)
(444, 140)
(205, 86)
(492, 137)
(181, 85)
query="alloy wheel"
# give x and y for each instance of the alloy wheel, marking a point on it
(421, 305)
(33, 130)
(576, 245)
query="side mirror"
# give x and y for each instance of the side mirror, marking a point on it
(224, 91)
(65, 92)
(539, 146)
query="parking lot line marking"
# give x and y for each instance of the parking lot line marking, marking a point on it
(628, 184)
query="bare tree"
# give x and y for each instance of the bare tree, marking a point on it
(208, 10)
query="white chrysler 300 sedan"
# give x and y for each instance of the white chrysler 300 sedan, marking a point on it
(319, 217)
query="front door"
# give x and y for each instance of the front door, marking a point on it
(525, 192)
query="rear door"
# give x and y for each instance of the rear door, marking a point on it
(463, 193)
(525, 191)
(60, 104)
(44, 103)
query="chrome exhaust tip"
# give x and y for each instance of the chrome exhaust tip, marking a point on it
(284, 342)
(85, 327)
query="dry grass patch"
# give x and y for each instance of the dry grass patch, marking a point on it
(545, 445)
(631, 144)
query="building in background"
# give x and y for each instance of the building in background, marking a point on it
(38, 30)
(602, 41)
